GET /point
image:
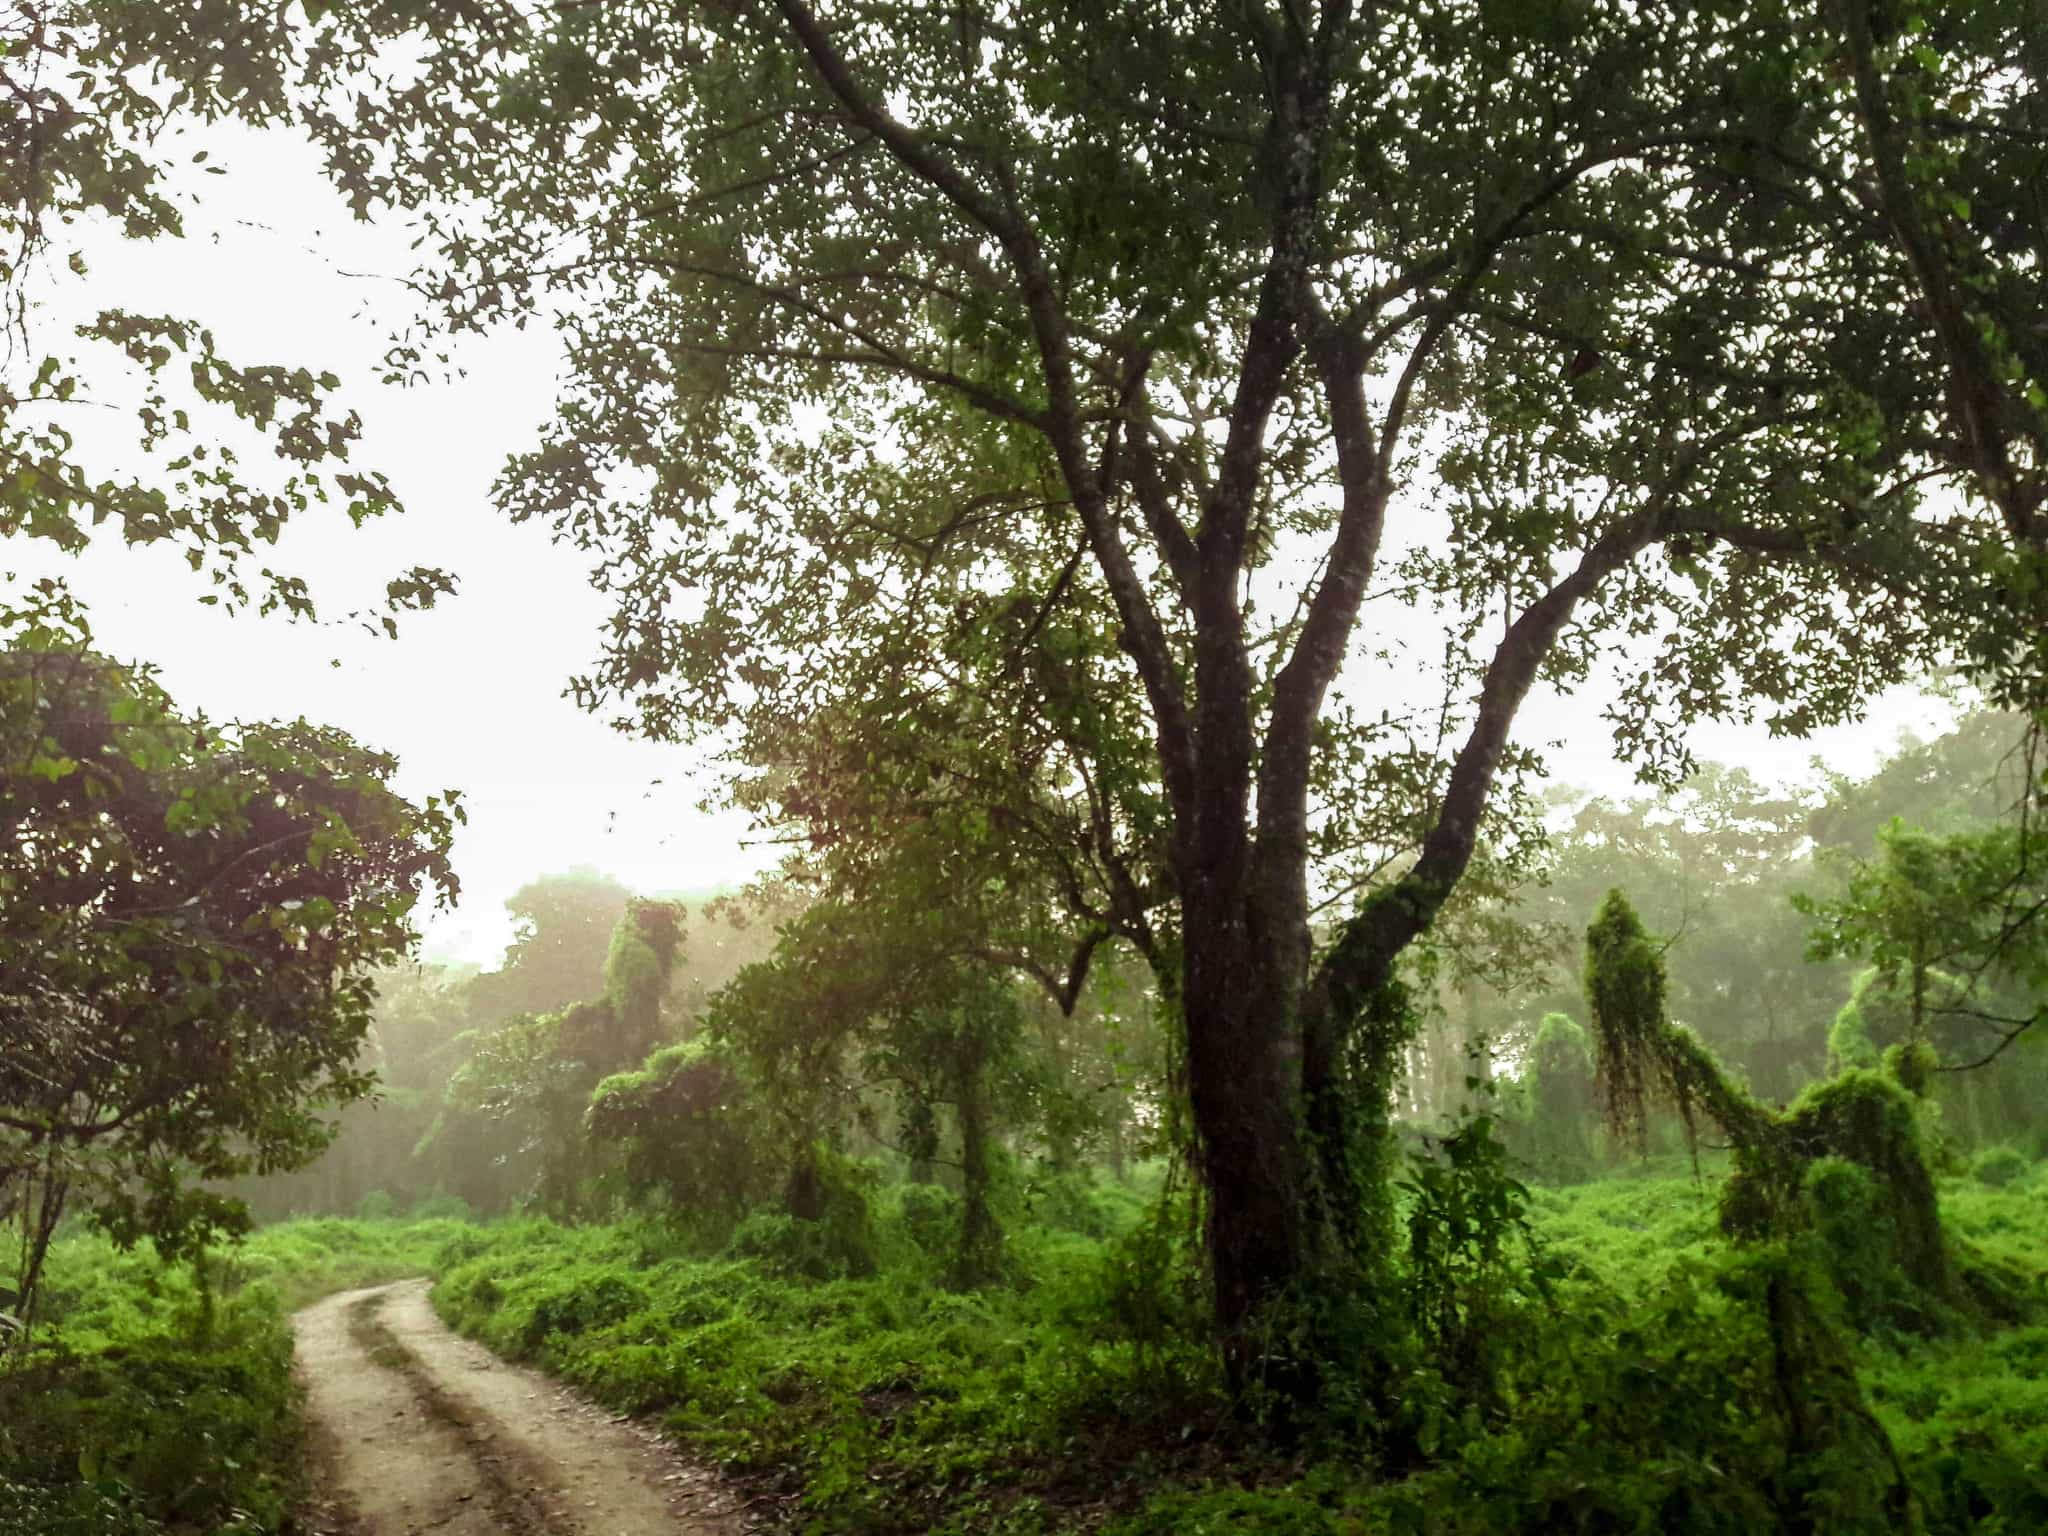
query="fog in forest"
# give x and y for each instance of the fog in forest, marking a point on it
(1023, 769)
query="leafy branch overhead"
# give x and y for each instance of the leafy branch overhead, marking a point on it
(92, 148)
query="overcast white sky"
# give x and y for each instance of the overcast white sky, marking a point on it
(470, 696)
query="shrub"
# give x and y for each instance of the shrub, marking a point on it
(835, 1239)
(929, 1216)
(125, 1419)
(583, 1304)
(798, 1249)
(1079, 1202)
(442, 1206)
(1553, 1114)
(376, 1206)
(1999, 1166)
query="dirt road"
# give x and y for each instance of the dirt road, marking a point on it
(416, 1430)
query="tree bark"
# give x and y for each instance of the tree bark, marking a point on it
(803, 1196)
(1245, 961)
(981, 1239)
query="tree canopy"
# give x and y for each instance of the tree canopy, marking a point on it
(189, 915)
(1224, 352)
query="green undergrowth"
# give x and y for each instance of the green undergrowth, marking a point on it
(158, 1397)
(884, 1402)
(1970, 1414)
(1062, 1401)
(1074, 1395)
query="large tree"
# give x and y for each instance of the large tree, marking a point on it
(190, 916)
(532, 1075)
(1576, 326)
(562, 935)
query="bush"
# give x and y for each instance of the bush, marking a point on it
(583, 1304)
(146, 1408)
(376, 1206)
(789, 1246)
(1999, 1166)
(929, 1216)
(442, 1206)
(1859, 1238)
(1552, 1116)
(1085, 1203)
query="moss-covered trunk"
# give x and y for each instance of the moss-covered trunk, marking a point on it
(979, 1258)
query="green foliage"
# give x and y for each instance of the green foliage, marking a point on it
(1891, 1219)
(605, 1300)
(433, 1021)
(1999, 1166)
(1560, 1076)
(564, 926)
(152, 1405)
(1960, 902)
(190, 918)
(889, 1401)
(1473, 1279)
(1624, 985)
(888, 998)
(1912, 1065)
(1850, 1043)
(929, 1216)
(1147, 1299)
(1551, 1119)
(158, 1427)
(1651, 1395)
(1082, 1201)
(644, 950)
(1660, 1403)
(684, 1131)
(1859, 1228)
(535, 1076)
(1102, 378)
(1791, 1167)
(1712, 862)
(100, 96)
(1665, 1419)
(1953, 928)
(834, 1237)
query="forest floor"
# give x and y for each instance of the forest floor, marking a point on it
(1076, 1396)
(414, 1429)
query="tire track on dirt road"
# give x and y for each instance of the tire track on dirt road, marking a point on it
(415, 1430)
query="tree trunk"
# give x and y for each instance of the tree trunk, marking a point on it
(1244, 1095)
(804, 1195)
(40, 1220)
(981, 1240)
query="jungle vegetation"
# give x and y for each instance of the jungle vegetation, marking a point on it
(1106, 480)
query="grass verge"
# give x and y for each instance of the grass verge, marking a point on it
(159, 1398)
